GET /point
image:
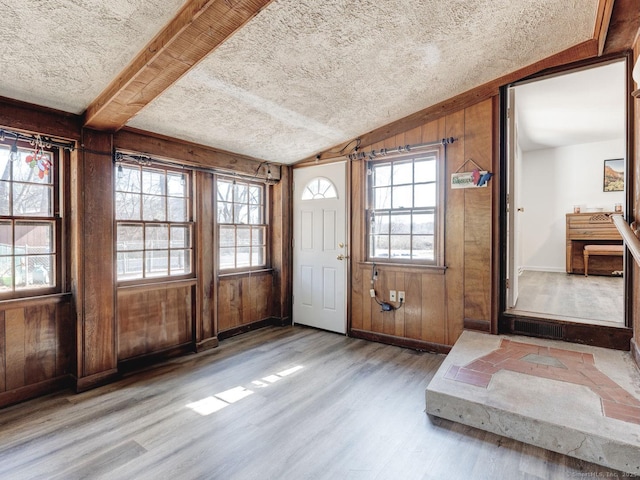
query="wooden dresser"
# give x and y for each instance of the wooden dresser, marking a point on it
(591, 229)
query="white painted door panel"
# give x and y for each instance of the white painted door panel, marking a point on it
(320, 248)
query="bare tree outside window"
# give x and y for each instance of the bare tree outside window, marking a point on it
(153, 218)
(28, 254)
(242, 229)
(402, 209)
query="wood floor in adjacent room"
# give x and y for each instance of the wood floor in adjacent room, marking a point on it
(278, 403)
(594, 299)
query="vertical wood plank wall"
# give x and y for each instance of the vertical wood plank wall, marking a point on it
(438, 302)
(79, 337)
(206, 328)
(244, 299)
(153, 318)
(281, 234)
(37, 341)
(96, 329)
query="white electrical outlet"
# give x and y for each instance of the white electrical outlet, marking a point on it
(392, 295)
(372, 292)
(401, 297)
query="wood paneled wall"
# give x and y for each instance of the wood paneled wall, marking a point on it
(206, 246)
(37, 346)
(244, 299)
(81, 336)
(153, 318)
(439, 301)
(281, 234)
(93, 261)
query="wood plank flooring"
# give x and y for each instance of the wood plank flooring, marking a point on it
(594, 299)
(292, 403)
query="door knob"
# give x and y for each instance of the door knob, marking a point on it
(341, 257)
(341, 245)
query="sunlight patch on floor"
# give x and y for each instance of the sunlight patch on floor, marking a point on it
(217, 402)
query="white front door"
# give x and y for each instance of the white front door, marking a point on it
(320, 247)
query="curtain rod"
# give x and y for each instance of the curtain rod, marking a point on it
(402, 149)
(119, 157)
(47, 142)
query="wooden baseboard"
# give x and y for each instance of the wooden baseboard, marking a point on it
(207, 344)
(635, 352)
(143, 361)
(267, 322)
(419, 345)
(477, 325)
(281, 322)
(36, 390)
(92, 381)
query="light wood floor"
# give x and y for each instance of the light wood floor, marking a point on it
(323, 406)
(594, 299)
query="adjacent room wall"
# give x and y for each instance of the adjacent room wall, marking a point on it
(553, 181)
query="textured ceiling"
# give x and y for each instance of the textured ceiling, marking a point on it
(63, 53)
(300, 77)
(304, 76)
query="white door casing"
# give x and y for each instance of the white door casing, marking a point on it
(320, 250)
(513, 204)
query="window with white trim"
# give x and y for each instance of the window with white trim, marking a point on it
(29, 220)
(153, 221)
(242, 224)
(402, 216)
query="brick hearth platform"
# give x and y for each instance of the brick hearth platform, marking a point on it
(573, 399)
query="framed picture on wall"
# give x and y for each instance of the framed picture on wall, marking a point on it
(614, 175)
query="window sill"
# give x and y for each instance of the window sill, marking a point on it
(245, 273)
(53, 298)
(157, 283)
(391, 266)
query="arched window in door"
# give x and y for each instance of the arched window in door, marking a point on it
(319, 188)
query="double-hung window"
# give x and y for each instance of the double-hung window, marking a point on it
(154, 222)
(402, 216)
(29, 221)
(242, 225)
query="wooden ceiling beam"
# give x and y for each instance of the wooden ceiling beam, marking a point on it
(603, 18)
(198, 28)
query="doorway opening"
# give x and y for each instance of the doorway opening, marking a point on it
(566, 174)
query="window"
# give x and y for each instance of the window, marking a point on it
(402, 216)
(318, 188)
(154, 227)
(29, 221)
(242, 228)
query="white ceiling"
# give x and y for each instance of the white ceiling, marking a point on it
(580, 107)
(300, 77)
